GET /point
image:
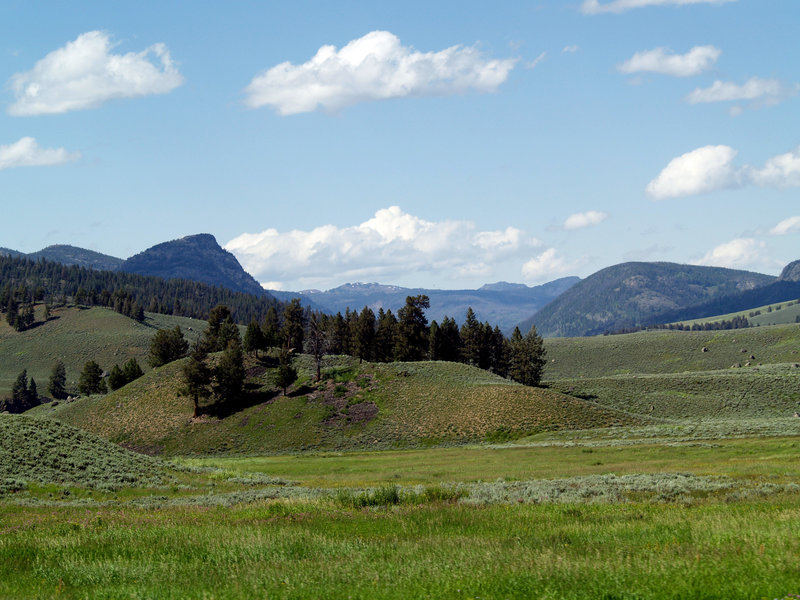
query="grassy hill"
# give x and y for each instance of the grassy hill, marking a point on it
(49, 452)
(76, 335)
(685, 376)
(781, 313)
(357, 406)
(670, 351)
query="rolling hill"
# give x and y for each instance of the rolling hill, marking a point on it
(70, 255)
(76, 335)
(359, 406)
(636, 293)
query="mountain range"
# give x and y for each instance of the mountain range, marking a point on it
(503, 304)
(621, 296)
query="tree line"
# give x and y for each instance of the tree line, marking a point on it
(407, 336)
(24, 281)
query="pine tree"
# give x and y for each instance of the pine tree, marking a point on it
(253, 338)
(412, 329)
(57, 385)
(19, 391)
(364, 338)
(229, 373)
(385, 335)
(197, 377)
(286, 374)
(116, 378)
(292, 330)
(219, 315)
(132, 370)
(471, 333)
(271, 328)
(527, 357)
(167, 345)
(91, 380)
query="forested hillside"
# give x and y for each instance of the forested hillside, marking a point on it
(636, 293)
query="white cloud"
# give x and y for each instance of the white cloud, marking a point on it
(535, 62)
(700, 171)
(570, 49)
(767, 91)
(587, 219)
(790, 225)
(84, 74)
(374, 67)
(710, 168)
(663, 61)
(27, 153)
(780, 171)
(594, 7)
(545, 266)
(388, 246)
(737, 254)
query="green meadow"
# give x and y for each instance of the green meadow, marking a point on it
(650, 465)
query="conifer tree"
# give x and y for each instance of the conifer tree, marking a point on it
(57, 385)
(167, 345)
(229, 373)
(271, 328)
(293, 329)
(91, 380)
(527, 357)
(253, 338)
(412, 329)
(286, 374)
(197, 377)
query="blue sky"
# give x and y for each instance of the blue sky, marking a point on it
(443, 144)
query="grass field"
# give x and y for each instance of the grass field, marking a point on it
(655, 465)
(654, 521)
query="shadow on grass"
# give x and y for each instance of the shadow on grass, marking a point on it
(248, 399)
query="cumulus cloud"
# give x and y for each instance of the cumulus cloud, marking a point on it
(586, 219)
(85, 74)
(388, 246)
(700, 171)
(780, 171)
(27, 153)
(374, 67)
(767, 92)
(594, 7)
(711, 168)
(790, 225)
(546, 265)
(737, 254)
(665, 62)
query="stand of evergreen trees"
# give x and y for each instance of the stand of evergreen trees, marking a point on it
(24, 281)
(406, 337)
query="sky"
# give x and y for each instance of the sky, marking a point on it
(423, 144)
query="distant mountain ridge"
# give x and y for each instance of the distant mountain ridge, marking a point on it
(636, 293)
(197, 258)
(503, 304)
(70, 255)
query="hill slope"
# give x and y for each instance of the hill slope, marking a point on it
(197, 258)
(48, 452)
(632, 293)
(359, 406)
(75, 336)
